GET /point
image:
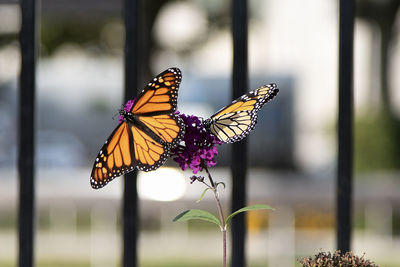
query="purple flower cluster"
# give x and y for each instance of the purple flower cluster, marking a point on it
(128, 106)
(199, 149)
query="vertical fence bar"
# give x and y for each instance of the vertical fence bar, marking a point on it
(345, 125)
(130, 198)
(26, 148)
(239, 150)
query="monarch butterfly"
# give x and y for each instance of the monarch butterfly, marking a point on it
(234, 122)
(147, 132)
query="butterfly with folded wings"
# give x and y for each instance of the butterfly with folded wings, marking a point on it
(235, 121)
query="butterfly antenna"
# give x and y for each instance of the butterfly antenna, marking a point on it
(115, 115)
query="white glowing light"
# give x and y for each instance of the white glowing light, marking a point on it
(163, 184)
(180, 25)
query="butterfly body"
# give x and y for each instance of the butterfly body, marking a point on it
(132, 119)
(145, 135)
(235, 121)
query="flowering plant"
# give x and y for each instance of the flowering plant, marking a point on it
(200, 146)
(336, 259)
(197, 151)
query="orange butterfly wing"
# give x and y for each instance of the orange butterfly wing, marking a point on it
(149, 154)
(160, 95)
(166, 130)
(127, 147)
(115, 158)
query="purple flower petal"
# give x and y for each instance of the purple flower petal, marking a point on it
(199, 147)
(128, 106)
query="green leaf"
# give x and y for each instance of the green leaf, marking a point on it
(202, 195)
(197, 215)
(248, 208)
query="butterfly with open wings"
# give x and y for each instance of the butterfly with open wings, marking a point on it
(147, 133)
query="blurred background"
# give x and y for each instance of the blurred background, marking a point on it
(292, 151)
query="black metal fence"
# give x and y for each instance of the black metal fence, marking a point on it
(345, 125)
(26, 148)
(26, 166)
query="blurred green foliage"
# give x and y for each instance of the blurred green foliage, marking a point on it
(359, 220)
(8, 220)
(91, 36)
(54, 34)
(377, 142)
(396, 223)
(6, 39)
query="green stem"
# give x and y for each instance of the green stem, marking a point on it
(209, 176)
(221, 217)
